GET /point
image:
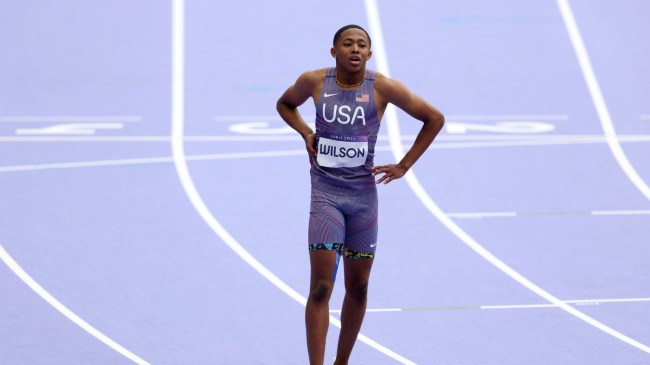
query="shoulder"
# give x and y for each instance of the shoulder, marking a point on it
(312, 78)
(385, 84)
(389, 89)
(308, 84)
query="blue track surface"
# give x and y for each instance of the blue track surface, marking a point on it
(112, 253)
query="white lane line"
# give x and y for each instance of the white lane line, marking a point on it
(579, 302)
(598, 99)
(381, 59)
(620, 212)
(52, 301)
(178, 111)
(460, 117)
(530, 142)
(70, 118)
(261, 154)
(273, 154)
(472, 140)
(481, 215)
(83, 164)
(507, 117)
(645, 117)
(255, 118)
(70, 128)
(619, 300)
(165, 139)
(498, 140)
(148, 160)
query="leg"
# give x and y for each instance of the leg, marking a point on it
(357, 274)
(326, 231)
(317, 310)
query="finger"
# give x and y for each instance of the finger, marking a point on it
(381, 171)
(379, 179)
(384, 178)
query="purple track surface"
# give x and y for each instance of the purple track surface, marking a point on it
(154, 207)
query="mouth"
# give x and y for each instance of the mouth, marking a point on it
(355, 60)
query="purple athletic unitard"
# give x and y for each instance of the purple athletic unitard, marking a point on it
(343, 213)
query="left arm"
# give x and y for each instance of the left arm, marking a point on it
(392, 91)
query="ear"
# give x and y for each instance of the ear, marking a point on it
(369, 55)
(333, 52)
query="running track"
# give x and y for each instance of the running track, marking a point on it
(154, 206)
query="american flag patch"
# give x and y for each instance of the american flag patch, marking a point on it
(363, 98)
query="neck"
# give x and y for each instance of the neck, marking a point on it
(349, 81)
(350, 86)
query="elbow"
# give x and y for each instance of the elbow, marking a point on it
(282, 106)
(437, 121)
(440, 119)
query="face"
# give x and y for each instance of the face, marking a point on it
(352, 50)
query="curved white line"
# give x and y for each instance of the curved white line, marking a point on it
(178, 111)
(380, 55)
(598, 99)
(301, 152)
(51, 300)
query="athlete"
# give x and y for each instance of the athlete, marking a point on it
(350, 101)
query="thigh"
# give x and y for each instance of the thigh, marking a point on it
(326, 221)
(362, 223)
(323, 266)
(357, 272)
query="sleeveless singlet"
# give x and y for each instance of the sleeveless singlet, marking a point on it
(346, 134)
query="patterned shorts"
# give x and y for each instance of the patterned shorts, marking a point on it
(347, 224)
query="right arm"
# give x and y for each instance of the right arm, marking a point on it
(309, 84)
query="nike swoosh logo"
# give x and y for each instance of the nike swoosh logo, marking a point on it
(374, 244)
(328, 95)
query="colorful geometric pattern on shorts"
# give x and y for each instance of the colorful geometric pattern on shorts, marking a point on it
(351, 254)
(325, 246)
(356, 255)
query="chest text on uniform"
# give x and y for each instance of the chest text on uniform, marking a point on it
(342, 115)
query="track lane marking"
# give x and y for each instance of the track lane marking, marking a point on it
(514, 140)
(598, 99)
(178, 111)
(65, 311)
(69, 118)
(390, 114)
(226, 156)
(481, 215)
(579, 302)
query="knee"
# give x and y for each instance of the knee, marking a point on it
(358, 291)
(322, 290)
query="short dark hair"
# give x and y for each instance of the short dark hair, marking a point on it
(343, 29)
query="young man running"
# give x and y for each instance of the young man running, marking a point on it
(350, 101)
